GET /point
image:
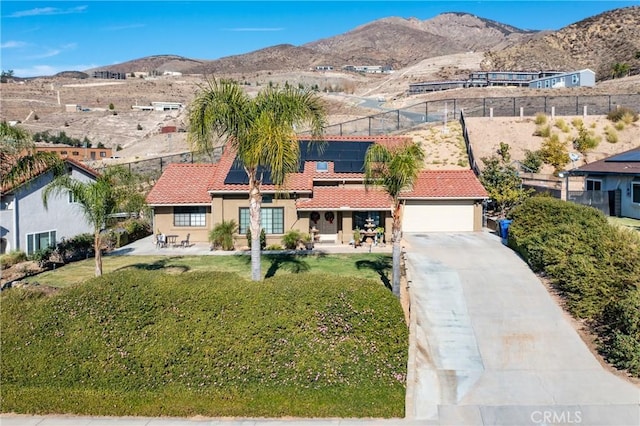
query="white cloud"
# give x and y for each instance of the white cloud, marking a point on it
(11, 44)
(54, 51)
(44, 70)
(48, 11)
(254, 29)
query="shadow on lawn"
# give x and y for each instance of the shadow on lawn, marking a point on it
(382, 265)
(164, 263)
(288, 262)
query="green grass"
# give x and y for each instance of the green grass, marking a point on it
(626, 222)
(364, 265)
(146, 343)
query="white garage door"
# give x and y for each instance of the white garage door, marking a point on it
(440, 216)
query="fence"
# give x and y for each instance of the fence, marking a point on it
(449, 109)
(153, 168)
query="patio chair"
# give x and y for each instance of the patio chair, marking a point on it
(185, 242)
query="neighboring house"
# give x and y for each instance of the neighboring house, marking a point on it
(77, 153)
(327, 197)
(24, 222)
(582, 78)
(611, 185)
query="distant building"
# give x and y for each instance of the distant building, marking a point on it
(174, 73)
(166, 106)
(582, 78)
(369, 69)
(72, 108)
(324, 68)
(532, 79)
(105, 74)
(77, 153)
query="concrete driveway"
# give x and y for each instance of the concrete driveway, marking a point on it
(493, 348)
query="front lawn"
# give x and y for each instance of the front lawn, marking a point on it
(363, 265)
(142, 342)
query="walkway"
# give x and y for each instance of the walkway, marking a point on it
(492, 346)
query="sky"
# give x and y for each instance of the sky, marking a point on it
(43, 38)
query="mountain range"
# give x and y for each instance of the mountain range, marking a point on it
(597, 42)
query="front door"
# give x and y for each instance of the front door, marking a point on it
(327, 226)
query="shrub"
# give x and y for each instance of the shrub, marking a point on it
(543, 131)
(292, 239)
(594, 265)
(532, 161)
(76, 248)
(554, 152)
(137, 228)
(111, 106)
(577, 122)
(11, 258)
(541, 118)
(562, 125)
(222, 234)
(42, 256)
(610, 134)
(273, 247)
(619, 125)
(263, 238)
(139, 126)
(586, 140)
(622, 113)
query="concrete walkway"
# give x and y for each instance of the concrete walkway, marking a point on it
(492, 346)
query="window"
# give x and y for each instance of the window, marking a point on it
(103, 154)
(63, 152)
(272, 219)
(189, 216)
(635, 192)
(75, 153)
(72, 199)
(539, 85)
(360, 219)
(40, 241)
(575, 78)
(546, 84)
(6, 203)
(322, 166)
(593, 185)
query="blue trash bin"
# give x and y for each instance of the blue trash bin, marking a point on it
(504, 228)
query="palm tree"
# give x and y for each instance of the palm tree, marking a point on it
(260, 130)
(394, 169)
(98, 200)
(19, 162)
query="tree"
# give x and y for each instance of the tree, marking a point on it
(554, 152)
(18, 159)
(620, 69)
(261, 132)
(394, 170)
(503, 184)
(112, 192)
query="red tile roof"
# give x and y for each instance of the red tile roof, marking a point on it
(336, 198)
(446, 184)
(183, 184)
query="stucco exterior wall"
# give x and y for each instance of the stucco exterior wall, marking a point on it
(163, 223)
(27, 214)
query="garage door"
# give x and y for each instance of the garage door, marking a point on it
(429, 216)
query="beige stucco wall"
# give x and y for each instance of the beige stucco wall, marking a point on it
(477, 216)
(163, 222)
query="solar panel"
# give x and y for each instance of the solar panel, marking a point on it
(347, 156)
(625, 157)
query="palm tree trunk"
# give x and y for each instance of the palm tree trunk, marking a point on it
(396, 235)
(255, 201)
(98, 256)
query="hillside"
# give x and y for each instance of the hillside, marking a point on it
(597, 43)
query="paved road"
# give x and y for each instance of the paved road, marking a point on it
(494, 348)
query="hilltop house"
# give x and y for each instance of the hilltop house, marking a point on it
(25, 224)
(326, 197)
(611, 185)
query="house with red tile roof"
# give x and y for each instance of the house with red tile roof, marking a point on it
(611, 184)
(27, 226)
(326, 197)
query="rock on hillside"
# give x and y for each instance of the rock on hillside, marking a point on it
(597, 43)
